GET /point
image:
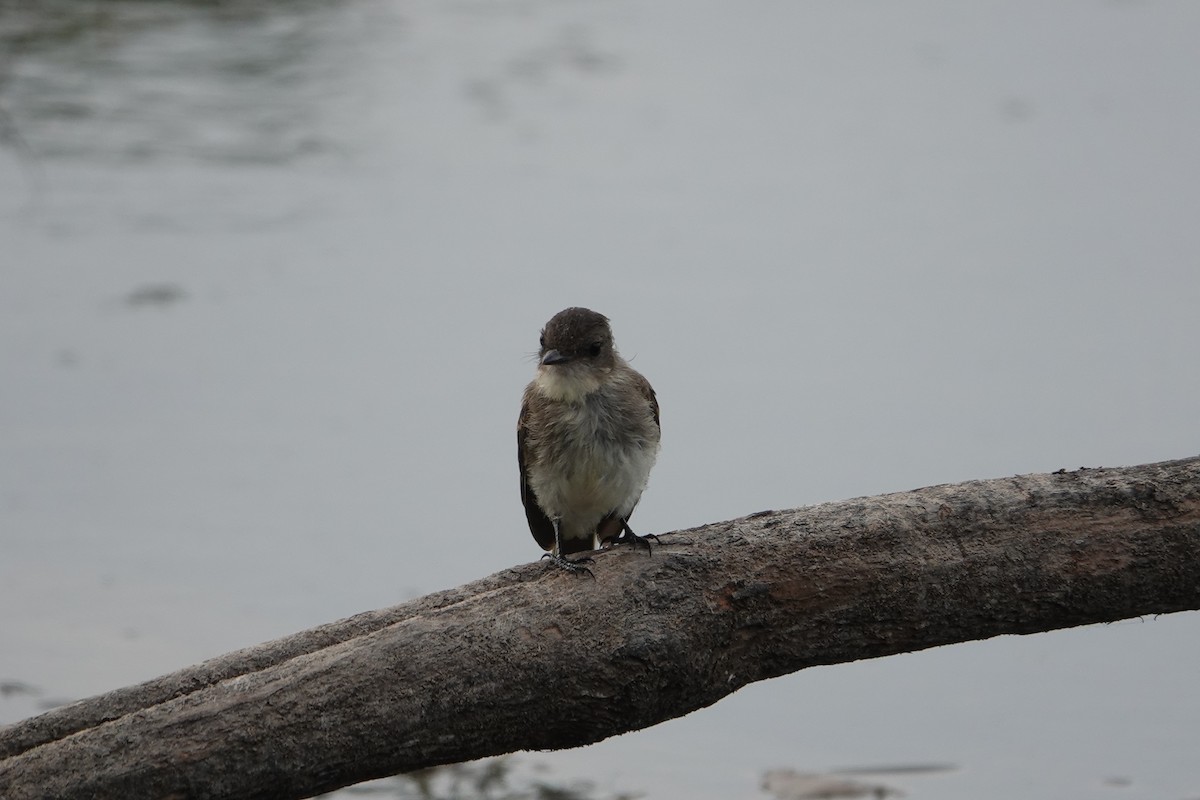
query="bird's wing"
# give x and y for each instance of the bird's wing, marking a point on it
(539, 524)
(648, 391)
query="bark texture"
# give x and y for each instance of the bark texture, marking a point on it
(537, 658)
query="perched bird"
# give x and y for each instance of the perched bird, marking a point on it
(587, 437)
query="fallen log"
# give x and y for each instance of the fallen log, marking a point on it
(535, 658)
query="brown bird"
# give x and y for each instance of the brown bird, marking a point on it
(587, 437)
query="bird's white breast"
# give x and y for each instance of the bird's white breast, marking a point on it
(592, 473)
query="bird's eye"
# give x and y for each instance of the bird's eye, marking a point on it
(594, 350)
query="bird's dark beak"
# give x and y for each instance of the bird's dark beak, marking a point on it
(554, 357)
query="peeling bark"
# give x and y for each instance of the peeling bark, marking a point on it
(536, 658)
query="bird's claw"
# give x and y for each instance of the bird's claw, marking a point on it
(575, 566)
(627, 536)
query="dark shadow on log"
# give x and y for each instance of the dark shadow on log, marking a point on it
(535, 658)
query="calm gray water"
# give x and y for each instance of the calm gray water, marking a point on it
(270, 274)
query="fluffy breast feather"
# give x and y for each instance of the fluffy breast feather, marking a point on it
(596, 449)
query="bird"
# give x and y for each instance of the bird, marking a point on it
(587, 437)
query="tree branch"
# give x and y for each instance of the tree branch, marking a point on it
(536, 658)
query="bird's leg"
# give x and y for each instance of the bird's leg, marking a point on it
(627, 536)
(562, 561)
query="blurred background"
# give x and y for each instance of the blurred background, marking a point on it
(271, 274)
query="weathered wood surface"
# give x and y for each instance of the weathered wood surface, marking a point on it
(536, 658)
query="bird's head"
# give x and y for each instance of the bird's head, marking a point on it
(576, 353)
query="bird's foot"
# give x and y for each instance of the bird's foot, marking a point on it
(576, 566)
(627, 536)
